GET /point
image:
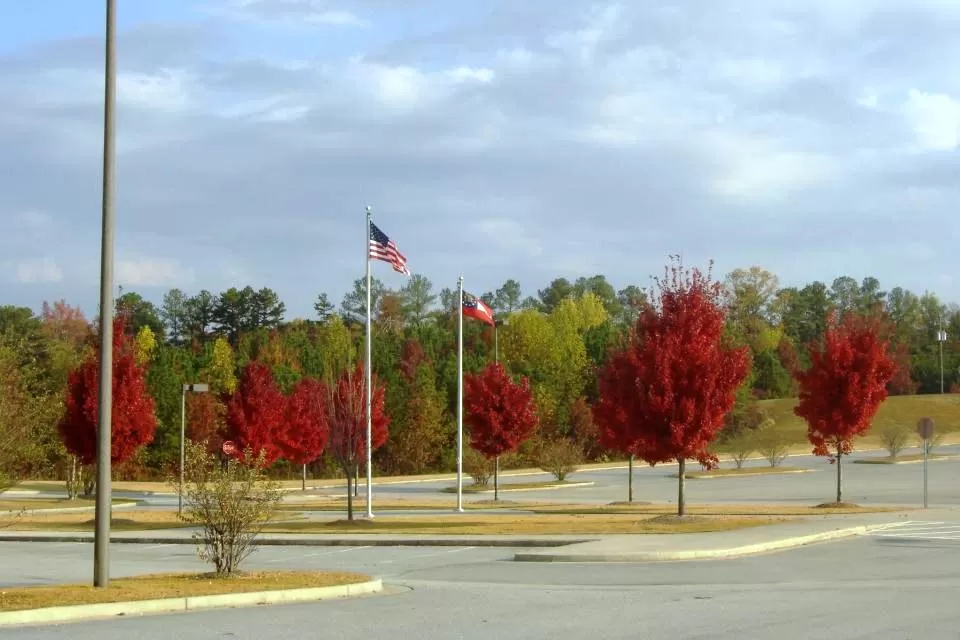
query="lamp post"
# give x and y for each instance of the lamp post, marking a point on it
(195, 388)
(101, 538)
(496, 339)
(941, 338)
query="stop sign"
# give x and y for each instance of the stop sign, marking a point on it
(229, 447)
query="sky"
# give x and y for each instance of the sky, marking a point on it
(498, 139)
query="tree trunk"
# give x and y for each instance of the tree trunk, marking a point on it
(349, 495)
(303, 479)
(681, 498)
(356, 481)
(839, 479)
(496, 478)
(630, 479)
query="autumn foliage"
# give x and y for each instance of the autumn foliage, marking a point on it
(500, 412)
(205, 416)
(255, 413)
(845, 384)
(307, 429)
(133, 422)
(665, 396)
(347, 417)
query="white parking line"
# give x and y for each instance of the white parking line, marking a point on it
(441, 553)
(919, 530)
(321, 553)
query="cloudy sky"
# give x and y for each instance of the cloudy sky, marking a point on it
(527, 139)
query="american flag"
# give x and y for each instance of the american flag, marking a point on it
(384, 249)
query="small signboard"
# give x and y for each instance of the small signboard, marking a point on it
(925, 428)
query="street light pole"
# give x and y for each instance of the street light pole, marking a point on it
(941, 338)
(496, 339)
(196, 388)
(101, 546)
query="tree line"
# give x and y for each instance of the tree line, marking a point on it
(558, 340)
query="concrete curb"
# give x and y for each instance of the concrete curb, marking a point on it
(742, 475)
(323, 542)
(701, 554)
(886, 462)
(169, 605)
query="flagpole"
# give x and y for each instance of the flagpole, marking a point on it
(460, 394)
(369, 380)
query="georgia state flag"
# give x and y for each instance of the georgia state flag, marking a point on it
(476, 308)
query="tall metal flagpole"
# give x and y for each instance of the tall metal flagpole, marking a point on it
(460, 394)
(369, 380)
(101, 547)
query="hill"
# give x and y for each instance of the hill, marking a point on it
(902, 410)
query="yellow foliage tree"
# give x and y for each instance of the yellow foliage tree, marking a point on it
(144, 345)
(221, 372)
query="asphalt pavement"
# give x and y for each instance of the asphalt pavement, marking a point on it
(875, 587)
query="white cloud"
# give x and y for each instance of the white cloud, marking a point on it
(168, 89)
(152, 272)
(289, 13)
(935, 119)
(37, 271)
(551, 139)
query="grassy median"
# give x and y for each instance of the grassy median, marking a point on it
(154, 587)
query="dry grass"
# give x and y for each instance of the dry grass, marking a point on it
(746, 471)
(513, 486)
(132, 520)
(709, 509)
(541, 524)
(40, 504)
(154, 587)
(401, 505)
(900, 459)
(896, 410)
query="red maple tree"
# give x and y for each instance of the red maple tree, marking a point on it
(347, 418)
(305, 434)
(665, 396)
(845, 384)
(133, 422)
(255, 413)
(205, 415)
(500, 413)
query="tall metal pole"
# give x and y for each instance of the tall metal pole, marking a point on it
(369, 378)
(460, 394)
(183, 437)
(101, 547)
(941, 338)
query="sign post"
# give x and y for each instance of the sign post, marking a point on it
(925, 431)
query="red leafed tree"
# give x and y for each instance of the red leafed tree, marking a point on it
(347, 417)
(205, 415)
(133, 422)
(585, 430)
(307, 428)
(844, 386)
(255, 413)
(617, 396)
(500, 413)
(666, 395)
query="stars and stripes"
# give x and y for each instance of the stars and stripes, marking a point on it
(384, 249)
(474, 307)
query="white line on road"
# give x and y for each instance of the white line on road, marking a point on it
(441, 553)
(321, 553)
